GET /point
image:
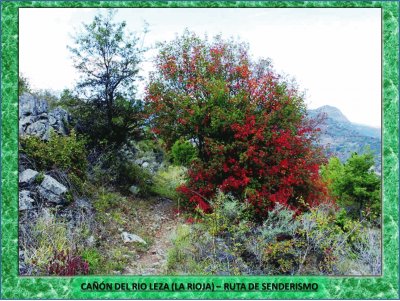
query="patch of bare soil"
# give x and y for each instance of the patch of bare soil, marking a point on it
(159, 221)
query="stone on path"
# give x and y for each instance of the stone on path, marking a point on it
(134, 190)
(129, 237)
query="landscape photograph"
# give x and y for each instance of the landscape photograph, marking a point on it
(213, 141)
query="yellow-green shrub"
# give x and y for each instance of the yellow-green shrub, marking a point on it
(92, 256)
(166, 181)
(49, 236)
(67, 153)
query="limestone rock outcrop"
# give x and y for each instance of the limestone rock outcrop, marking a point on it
(36, 119)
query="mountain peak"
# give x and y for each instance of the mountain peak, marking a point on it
(332, 112)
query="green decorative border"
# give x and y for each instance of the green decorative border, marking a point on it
(15, 287)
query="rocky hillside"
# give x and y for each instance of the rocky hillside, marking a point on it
(68, 215)
(340, 137)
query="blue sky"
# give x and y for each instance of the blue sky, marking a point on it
(334, 54)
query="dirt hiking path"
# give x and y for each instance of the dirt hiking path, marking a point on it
(162, 222)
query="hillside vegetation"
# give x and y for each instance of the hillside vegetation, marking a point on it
(218, 170)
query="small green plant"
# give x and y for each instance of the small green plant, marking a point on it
(178, 255)
(183, 153)
(213, 243)
(133, 174)
(23, 85)
(281, 256)
(92, 256)
(39, 178)
(117, 218)
(106, 200)
(69, 197)
(148, 145)
(77, 184)
(115, 261)
(50, 236)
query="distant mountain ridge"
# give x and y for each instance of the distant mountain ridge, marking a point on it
(341, 138)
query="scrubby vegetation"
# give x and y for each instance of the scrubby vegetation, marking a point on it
(217, 171)
(320, 242)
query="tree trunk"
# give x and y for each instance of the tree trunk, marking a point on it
(109, 110)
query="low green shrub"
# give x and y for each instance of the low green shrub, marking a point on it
(48, 236)
(133, 174)
(148, 145)
(105, 200)
(183, 153)
(115, 260)
(112, 170)
(67, 153)
(39, 178)
(189, 256)
(93, 258)
(214, 244)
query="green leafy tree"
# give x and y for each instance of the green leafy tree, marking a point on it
(23, 85)
(331, 174)
(107, 57)
(355, 185)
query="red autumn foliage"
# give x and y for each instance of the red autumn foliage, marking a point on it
(65, 264)
(249, 125)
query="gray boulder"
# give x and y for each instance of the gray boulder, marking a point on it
(129, 237)
(25, 200)
(27, 176)
(39, 128)
(134, 190)
(30, 105)
(58, 119)
(35, 119)
(26, 121)
(51, 190)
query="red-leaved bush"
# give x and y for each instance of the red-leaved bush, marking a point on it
(248, 124)
(65, 264)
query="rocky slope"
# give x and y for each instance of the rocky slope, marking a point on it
(341, 138)
(44, 195)
(47, 198)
